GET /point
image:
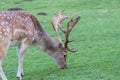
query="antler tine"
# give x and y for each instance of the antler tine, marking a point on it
(70, 25)
(56, 22)
(72, 50)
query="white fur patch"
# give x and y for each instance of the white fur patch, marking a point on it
(19, 30)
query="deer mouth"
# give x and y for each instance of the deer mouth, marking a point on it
(63, 66)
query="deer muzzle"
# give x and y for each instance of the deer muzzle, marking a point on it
(63, 66)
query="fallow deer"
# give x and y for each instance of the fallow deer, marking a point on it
(22, 29)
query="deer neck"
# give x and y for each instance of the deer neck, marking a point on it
(46, 43)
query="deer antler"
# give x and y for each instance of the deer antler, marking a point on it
(70, 26)
(56, 22)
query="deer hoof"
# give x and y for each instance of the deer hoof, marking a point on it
(22, 74)
(19, 78)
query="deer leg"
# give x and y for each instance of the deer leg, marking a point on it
(21, 50)
(18, 51)
(3, 50)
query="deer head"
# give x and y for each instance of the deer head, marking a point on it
(63, 46)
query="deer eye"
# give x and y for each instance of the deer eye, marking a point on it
(65, 56)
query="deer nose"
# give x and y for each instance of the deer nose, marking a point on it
(64, 66)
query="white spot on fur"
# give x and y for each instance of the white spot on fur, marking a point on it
(3, 29)
(8, 30)
(2, 23)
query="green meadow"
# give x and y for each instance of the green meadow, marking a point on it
(97, 37)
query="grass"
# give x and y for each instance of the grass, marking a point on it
(98, 41)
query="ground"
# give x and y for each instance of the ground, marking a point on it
(97, 40)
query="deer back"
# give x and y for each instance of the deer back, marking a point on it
(15, 26)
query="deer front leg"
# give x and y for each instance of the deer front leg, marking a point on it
(21, 50)
(4, 45)
(2, 73)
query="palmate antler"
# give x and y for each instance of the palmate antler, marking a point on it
(56, 22)
(70, 26)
